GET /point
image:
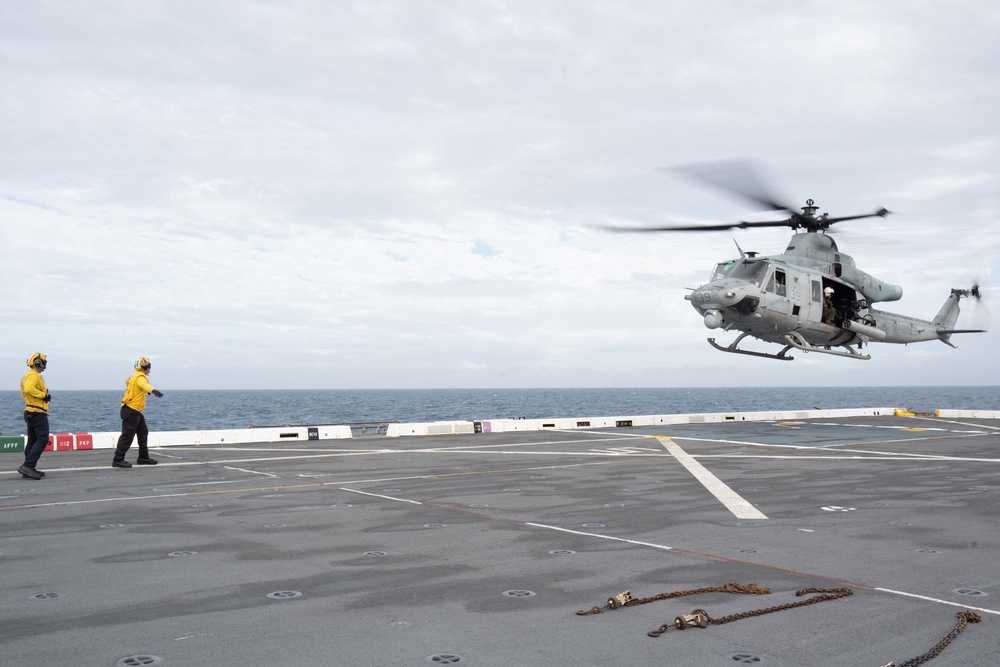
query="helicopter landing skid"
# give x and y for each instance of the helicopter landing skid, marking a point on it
(735, 349)
(794, 340)
(797, 341)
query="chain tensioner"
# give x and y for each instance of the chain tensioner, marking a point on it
(701, 618)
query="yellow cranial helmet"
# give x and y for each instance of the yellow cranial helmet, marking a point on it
(142, 363)
(37, 359)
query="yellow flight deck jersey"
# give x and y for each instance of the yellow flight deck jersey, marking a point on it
(33, 391)
(136, 388)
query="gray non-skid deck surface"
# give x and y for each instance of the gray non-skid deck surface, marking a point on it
(403, 549)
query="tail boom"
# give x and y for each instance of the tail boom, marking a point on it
(903, 329)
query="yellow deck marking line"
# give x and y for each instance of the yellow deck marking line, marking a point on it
(733, 501)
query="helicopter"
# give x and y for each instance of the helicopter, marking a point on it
(812, 297)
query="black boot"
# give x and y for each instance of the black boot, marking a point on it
(146, 461)
(120, 464)
(30, 473)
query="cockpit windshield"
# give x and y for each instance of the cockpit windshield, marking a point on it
(752, 271)
(722, 269)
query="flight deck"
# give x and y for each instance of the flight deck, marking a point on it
(494, 549)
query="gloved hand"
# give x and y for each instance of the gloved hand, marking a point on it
(157, 393)
(47, 397)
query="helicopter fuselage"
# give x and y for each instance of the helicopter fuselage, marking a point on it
(811, 297)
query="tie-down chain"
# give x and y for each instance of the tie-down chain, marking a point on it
(702, 619)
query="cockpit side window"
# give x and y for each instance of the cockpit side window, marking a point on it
(779, 282)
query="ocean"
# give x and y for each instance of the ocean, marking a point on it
(97, 411)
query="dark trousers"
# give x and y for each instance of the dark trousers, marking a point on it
(38, 436)
(133, 424)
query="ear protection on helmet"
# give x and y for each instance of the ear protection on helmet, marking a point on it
(37, 359)
(142, 363)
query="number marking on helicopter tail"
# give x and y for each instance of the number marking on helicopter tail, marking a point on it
(733, 501)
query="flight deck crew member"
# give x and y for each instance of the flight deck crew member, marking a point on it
(829, 312)
(36, 415)
(133, 423)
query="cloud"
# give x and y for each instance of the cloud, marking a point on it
(408, 193)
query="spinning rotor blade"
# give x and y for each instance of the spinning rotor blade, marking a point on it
(738, 177)
(703, 228)
(741, 178)
(880, 213)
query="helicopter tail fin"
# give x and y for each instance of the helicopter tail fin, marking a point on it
(946, 318)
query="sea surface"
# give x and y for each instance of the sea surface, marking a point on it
(97, 411)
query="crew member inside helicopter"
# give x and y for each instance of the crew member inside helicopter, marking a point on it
(829, 312)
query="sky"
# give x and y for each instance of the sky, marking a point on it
(413, 193)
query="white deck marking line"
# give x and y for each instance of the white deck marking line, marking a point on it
(424, 450)
(341, 453)
(871, 456)
(837, 447)
(258, 459)
(542, 453)
(664, 547)
(252, 472)
(603, 537)
(742, 442)
(733, 501)
(318, 450)
(938, 600)
(336, 484)
(949, 421)
(812, 447)
(379, 495)
(513, 444)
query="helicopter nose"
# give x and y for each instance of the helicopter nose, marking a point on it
(714, 300)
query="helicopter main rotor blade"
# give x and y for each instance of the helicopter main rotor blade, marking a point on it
(703, 228)
(738, 177)
(881, 213)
